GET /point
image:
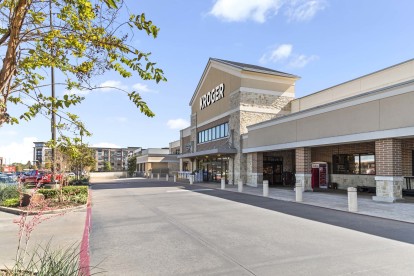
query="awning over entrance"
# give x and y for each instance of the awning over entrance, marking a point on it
(208, 152)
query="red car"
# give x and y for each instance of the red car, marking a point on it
(38, 177)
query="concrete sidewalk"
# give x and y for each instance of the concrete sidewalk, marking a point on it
(61, 231)
(337, 201)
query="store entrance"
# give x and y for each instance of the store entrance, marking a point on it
(214, 169)
(272, 170)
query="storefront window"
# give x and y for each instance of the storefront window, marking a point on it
(353, 164)
(367, 164)
(213, 133)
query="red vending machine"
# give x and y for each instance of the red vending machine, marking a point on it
(320, 175)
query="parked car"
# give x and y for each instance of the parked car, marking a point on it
(6, 180)
(39, 177)
(70, 174)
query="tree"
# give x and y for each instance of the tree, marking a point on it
(107, 167)
(81, 39)
(77, 155)
(132, 165)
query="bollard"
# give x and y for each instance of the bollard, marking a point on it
(299, 192)
(158, 176)
(152, 176)
(352, 199)
(223, 184)
(266, 188)
(240, 186)
(175, 178)
(166, 177)
(191, 179)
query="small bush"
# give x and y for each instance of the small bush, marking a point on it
(11, 202)
(49, 193)
(8, 192)
(75, 190)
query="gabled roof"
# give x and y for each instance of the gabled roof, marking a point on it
(254, 68)
(242, 67)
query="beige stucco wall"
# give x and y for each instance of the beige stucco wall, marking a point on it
(387, 77)
(382, 114)
(214, 78)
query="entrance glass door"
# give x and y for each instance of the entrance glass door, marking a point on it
(272, 170)
(214, 169)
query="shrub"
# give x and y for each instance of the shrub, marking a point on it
(8, 192)
(11, 202)
(77, 194)
(75, 190)
(49, 193)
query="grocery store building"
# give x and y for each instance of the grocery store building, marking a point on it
(246, 124)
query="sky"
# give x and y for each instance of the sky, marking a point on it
(325, 42)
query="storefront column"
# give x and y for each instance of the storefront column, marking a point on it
(254, 169)
(389, 177)
(303, 168)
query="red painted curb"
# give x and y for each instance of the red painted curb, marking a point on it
(84, 262)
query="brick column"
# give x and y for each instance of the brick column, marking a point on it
(254, 169)
(389, 177)
(303, 167)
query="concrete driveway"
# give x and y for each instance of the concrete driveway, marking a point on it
(144, 227)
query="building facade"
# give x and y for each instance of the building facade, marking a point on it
(116, 157)
(247, 125)
(41, 154)
(158, 160)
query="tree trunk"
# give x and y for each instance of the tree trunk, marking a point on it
(9, 61)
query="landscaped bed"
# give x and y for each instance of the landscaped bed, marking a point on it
(43, 199)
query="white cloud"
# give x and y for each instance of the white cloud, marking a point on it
(304, 10)
(301, 61)
(284, 54)
(19, 151)
(277, 54)
(143, 88)
(105, 145)
(177, 123)
(260, 10)
(112, 85)
(241, 10)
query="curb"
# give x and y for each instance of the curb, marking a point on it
(84, 256)
(16, 211)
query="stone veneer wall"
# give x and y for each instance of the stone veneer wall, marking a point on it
(303, 167)
(184, 142)
(389, 180)
(352, 180)
(239, 121)
(194, 132)
(254, 169)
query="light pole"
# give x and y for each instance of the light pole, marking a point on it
(53, 121)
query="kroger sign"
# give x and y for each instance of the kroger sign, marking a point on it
(212, 96)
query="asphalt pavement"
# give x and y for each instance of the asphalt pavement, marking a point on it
(149, 227)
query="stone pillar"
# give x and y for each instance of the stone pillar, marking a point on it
(254, 169)
(389, 178)
(303, 168)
